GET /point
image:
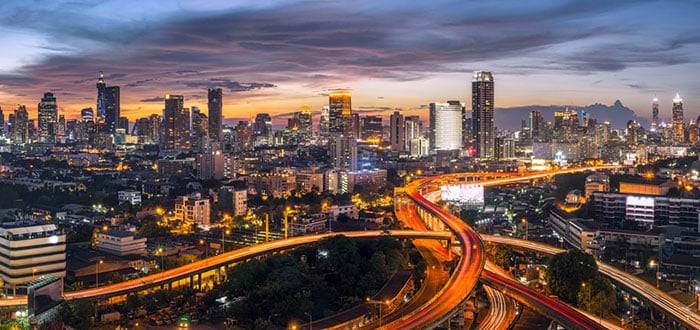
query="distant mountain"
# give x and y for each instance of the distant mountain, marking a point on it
(617, 114)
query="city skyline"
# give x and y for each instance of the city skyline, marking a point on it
(276, 57)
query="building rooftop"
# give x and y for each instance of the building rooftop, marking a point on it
(118, 233)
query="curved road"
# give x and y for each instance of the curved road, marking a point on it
(661, 299)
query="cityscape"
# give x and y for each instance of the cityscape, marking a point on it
(315, 165)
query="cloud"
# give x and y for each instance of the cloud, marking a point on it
(233, 86)
(153, 99)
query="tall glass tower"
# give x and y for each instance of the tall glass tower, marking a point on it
(482, 106)
(677, 113)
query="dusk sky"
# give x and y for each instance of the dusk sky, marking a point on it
(275, 56)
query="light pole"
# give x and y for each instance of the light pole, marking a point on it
(527, 228)
(652, 263)
(97, 272)
(160, 252)
(223, 243)
(311, 321)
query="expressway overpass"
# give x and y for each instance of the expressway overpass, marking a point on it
(192, 274)
(661, 300)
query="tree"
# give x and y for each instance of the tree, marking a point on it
(501, 256)
(597, 296)
(76, 313)
(567, 271)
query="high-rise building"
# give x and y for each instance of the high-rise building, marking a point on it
(262, 129)
(654, 113)
(324, 123)
(61, 128)
(413, 127)
(2, 123)
(20, 125)
(446, 126)
(304, 124)
(483, 113)
(112, 109)
(398, 132)
(340, 112)
(47, 118)
(101, 100)
(176, 124)
(536, 125)
(123, 123)
(678, 135)
(371, 128)
(215, 107)
(200, 130)
(243, 137)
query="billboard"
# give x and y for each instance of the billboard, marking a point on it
(44, 294)
(463, 193)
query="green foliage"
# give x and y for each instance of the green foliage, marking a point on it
(501, 255)
(76, 313)
(597, 296)
(80, 233)
(149, 228)
(567, 271)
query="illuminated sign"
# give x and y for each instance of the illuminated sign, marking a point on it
(637, 201)
(463, 193)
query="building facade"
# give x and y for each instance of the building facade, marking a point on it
(445, 126)
(483, 114)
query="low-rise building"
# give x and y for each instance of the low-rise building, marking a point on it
(193, 208)
(132, 197)
(334, 211)
(121, 243)
(309, 224)
(647, 209)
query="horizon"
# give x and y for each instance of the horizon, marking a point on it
(274, 57)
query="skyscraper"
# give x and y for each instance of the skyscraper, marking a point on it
(20, 126)
(372, 127)
(413, 129)
(446, 126)
(536, 125)
(340, 112)
(2, 123)
(215, 107)
(262, 128)
(112, 109)
(101, 100)
(176, 124)
(398, 132)
(654, 113)
(483, 113)
(47, 118)
(678, 135)
(304, 122)
(200, 130)
(324, 123)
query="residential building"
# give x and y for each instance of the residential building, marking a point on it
(215, 108)
(483, 114)
(132, 197)
(193, 208)
(121, 243)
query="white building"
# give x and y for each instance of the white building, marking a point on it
(446, 126)
(350, 210)
(132, 197)
(29, 251)
(240, 202)
(193, 208)
(309, 224)
(121, 243)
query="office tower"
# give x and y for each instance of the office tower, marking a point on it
(215, 107)
(446, 126)
(48, 118)
(112, 109)
(2, 123)
(87, 125)
(243, 138)
(324, 123)
(483, 113)
(371, 129)
(200, 130)
(61, 127)
(123, 123)
(654, 113)
(20, 126)
(558, 120)
(536, 125)
(413, 127)
(304, 124)
(398, 132)
(343, 152)
(678, 136)
(262, 128)
(101, 101)
(340, 112)
(176, 124)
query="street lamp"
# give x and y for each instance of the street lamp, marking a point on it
(223, 243)
(311, 321)
(652, 263)
(97, 272)
(527, 228)
(160, 251)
